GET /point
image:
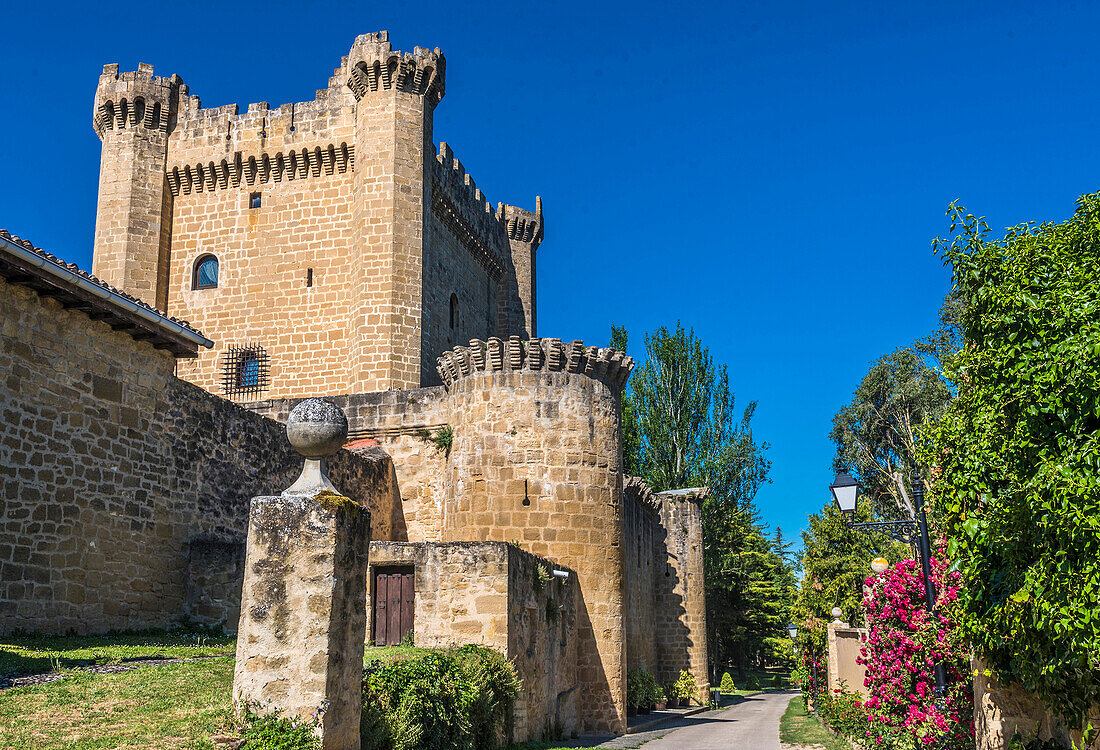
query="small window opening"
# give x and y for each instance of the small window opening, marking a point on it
(526, 497)
(254, 200)
(309, 277)
(206, 273)
(454, 311)
(245, 370)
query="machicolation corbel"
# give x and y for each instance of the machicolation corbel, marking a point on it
(607, 365)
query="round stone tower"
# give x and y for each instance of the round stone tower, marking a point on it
(536, 458)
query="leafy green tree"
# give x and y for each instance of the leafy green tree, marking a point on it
(631, 441)
(1018, 451)
(835, 561)
(690, 435)
(879, 436)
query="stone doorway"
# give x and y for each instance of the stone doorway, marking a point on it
(394, 604)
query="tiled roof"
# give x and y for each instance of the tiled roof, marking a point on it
(171, 333)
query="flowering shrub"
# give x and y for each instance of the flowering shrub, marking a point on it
(846, 714)
(809, 664)
(904, 645)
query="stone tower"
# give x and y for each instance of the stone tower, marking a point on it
(395, 98)
(537, 459)
(133, 115)
(327, 243)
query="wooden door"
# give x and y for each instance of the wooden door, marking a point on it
(394, 602)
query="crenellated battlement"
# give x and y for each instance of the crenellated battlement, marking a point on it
(373, 65)
(460, 205)
(609, 366)
(135, 98)
(522, 225)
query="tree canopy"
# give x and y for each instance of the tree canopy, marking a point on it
(688, 433)
(1018, 451)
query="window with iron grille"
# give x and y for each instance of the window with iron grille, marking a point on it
(245, 371)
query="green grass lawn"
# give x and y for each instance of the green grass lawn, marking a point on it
(166, 706)
(801, 728)
(20, 655)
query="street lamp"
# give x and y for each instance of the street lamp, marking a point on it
(844, 490)
(792, 631)
(879, 565)
(910, 531)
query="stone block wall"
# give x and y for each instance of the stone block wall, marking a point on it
(112, 466)
(844, 647)
(1003, 709)
(491, 594)
(681, 594)
(536, 459)
(644, 562)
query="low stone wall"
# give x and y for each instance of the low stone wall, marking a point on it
(491, 594)
(844, 646)
(400, 422)
(1001, 710)
(112, 467)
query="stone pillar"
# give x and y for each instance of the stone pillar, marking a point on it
(303, 604)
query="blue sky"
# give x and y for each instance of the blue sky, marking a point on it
(771, 174)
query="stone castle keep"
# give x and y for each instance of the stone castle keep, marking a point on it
(329, 248)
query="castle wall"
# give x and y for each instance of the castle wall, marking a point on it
(400, 422)
(113, 468)
(491, 594)
(536, 459)
(681, 594)
(641, 532)
(286, 273)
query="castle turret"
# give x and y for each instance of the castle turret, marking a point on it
(396, 94)
(537, 458)
(133, 115)
(524, 237)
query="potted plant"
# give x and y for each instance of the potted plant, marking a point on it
(660, 702)
(634, 691)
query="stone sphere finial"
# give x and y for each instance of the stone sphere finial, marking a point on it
(317, 428)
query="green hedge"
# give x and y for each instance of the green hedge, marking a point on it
(1018, 487)
(440, 699)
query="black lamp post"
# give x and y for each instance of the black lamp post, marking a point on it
(914, 532)
(792, 631)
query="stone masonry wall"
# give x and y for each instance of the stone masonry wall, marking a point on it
(640, 534)
(1001, 710)
(681, 594)
(398, 421)
(491, 594)
(112, 467)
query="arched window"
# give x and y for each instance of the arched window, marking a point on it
(206, 273)
(454, 311)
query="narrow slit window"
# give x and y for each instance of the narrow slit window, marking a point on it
(309, 277)
(254, 200)
(454, 311)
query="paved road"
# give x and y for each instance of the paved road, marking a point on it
(750, 725)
